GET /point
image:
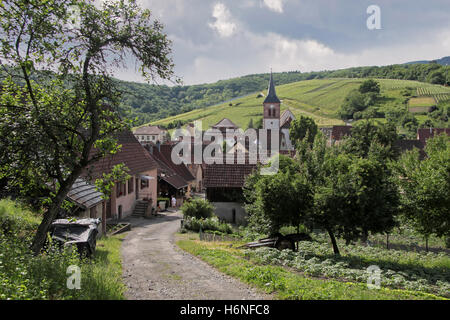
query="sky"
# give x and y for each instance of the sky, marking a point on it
(220, 39)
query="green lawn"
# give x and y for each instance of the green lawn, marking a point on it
(285, 282)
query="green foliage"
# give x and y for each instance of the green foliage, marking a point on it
(273, 201)
(368, 136)
(15, 220)
(425, 185)
(301, 128)
(400, 270)
(206, 224)
(198, 208)
(284, 283)
(369, 86)
(359, 100)
(105, 185)
(69, 107)
(26, 276)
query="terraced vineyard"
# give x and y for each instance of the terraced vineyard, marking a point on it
(432, 90)
(319, 99)
(442, 97)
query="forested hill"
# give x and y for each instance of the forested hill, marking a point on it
(151, 102)
(148, 103)
(445, 61)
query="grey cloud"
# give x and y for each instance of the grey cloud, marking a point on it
(411, 29)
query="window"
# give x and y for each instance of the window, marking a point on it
(130, 185)
(120, 189)
(144, 183)
(153, 138)
(148, 138)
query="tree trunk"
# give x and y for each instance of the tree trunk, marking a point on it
(333, 241)
(426, 243)
(50, 215)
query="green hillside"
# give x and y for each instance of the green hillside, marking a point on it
(318, 98)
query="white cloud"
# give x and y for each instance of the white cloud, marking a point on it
(223, 24)
(274, 5)
(257, 53)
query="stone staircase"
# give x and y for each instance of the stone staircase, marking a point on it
(140, 208)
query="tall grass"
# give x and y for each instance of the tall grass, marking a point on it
(25, 276)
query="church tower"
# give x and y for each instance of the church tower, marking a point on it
(271, 107)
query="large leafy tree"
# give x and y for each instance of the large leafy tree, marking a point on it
(274, 201)
(303, 128)
(425, 187)
(352, 195)
(366, 133)
(58, 102)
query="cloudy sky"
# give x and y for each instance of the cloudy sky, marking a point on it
(221, 39)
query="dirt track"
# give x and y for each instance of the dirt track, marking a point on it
(154, 268)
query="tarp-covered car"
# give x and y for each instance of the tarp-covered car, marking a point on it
(82, 233)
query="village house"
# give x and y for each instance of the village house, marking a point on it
(148, 133)
(139, 191)
(173, 179)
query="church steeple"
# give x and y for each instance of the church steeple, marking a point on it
(271, 94)
(271, 106)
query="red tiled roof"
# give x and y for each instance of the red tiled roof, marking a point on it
(165, 172)
(424, 134)
(132, 154)
(176, 181)
(180, 169)
(338, 132)
(226, 175)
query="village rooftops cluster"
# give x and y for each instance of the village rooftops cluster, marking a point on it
(149, 156)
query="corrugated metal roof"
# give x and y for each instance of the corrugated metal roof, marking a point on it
(84, 194)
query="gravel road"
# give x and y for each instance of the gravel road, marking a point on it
(154, 268)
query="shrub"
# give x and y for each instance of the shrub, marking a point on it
(197, 208)
(208, 224)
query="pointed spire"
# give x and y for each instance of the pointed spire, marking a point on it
(271, 94)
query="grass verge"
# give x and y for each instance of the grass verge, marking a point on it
(284, 283)
(24, 276)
